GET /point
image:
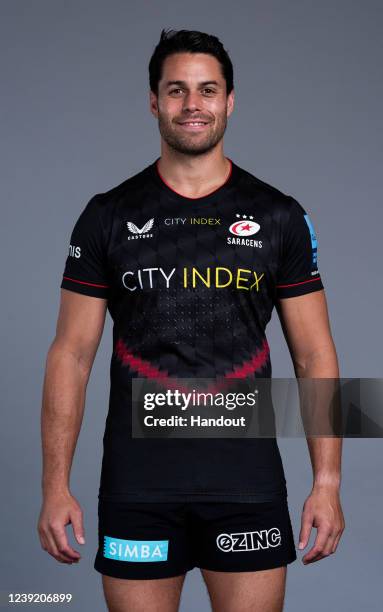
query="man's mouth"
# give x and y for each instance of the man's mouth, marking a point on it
(193, 125)
(193, 122)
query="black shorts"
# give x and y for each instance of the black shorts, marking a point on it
(162, 539)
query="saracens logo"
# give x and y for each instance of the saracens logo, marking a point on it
(250, 540)
(140, 232)
(243, 227)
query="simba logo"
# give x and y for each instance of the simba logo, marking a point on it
(250, 540)
(140, 232)
(135, 550)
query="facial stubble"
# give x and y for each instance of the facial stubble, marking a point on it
(192, 144)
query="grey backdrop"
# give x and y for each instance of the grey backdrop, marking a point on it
(76, 121)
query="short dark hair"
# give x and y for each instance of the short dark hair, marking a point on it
(188, 41)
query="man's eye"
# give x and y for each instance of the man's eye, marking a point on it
(206, 90)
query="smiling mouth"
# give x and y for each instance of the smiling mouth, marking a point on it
(193, 125)
(193, 122)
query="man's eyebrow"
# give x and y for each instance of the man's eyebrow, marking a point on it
(184, 84)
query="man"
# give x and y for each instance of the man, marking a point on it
(189, 256)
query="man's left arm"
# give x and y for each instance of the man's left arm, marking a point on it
(306, 327)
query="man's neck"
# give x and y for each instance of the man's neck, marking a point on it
(194, 176)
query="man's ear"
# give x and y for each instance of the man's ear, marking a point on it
(230, 102)
(153, 103)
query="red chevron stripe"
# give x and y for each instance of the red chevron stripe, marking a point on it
(148, 370)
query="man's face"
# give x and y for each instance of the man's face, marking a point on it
(192, 88)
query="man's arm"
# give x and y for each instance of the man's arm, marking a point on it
(306, 327)
(70, 358)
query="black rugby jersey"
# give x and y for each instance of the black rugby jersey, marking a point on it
(190, 285)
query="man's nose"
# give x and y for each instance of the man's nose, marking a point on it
(192, 101)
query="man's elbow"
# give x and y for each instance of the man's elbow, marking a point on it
(63, 353)
(320, 361)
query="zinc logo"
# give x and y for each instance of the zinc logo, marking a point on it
(250, 540)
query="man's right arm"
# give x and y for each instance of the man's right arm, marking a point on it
(69, 362)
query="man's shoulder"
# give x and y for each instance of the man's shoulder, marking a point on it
(250, 184)
(253, 186)
(271, 199)
(135, 182)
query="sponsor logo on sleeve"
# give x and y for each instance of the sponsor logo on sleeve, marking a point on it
(74, 251)
(314, 244)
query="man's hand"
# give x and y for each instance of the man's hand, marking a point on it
(322, 510)
(59, 510)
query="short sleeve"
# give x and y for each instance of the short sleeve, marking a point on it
(85, 268)
(298, 272)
